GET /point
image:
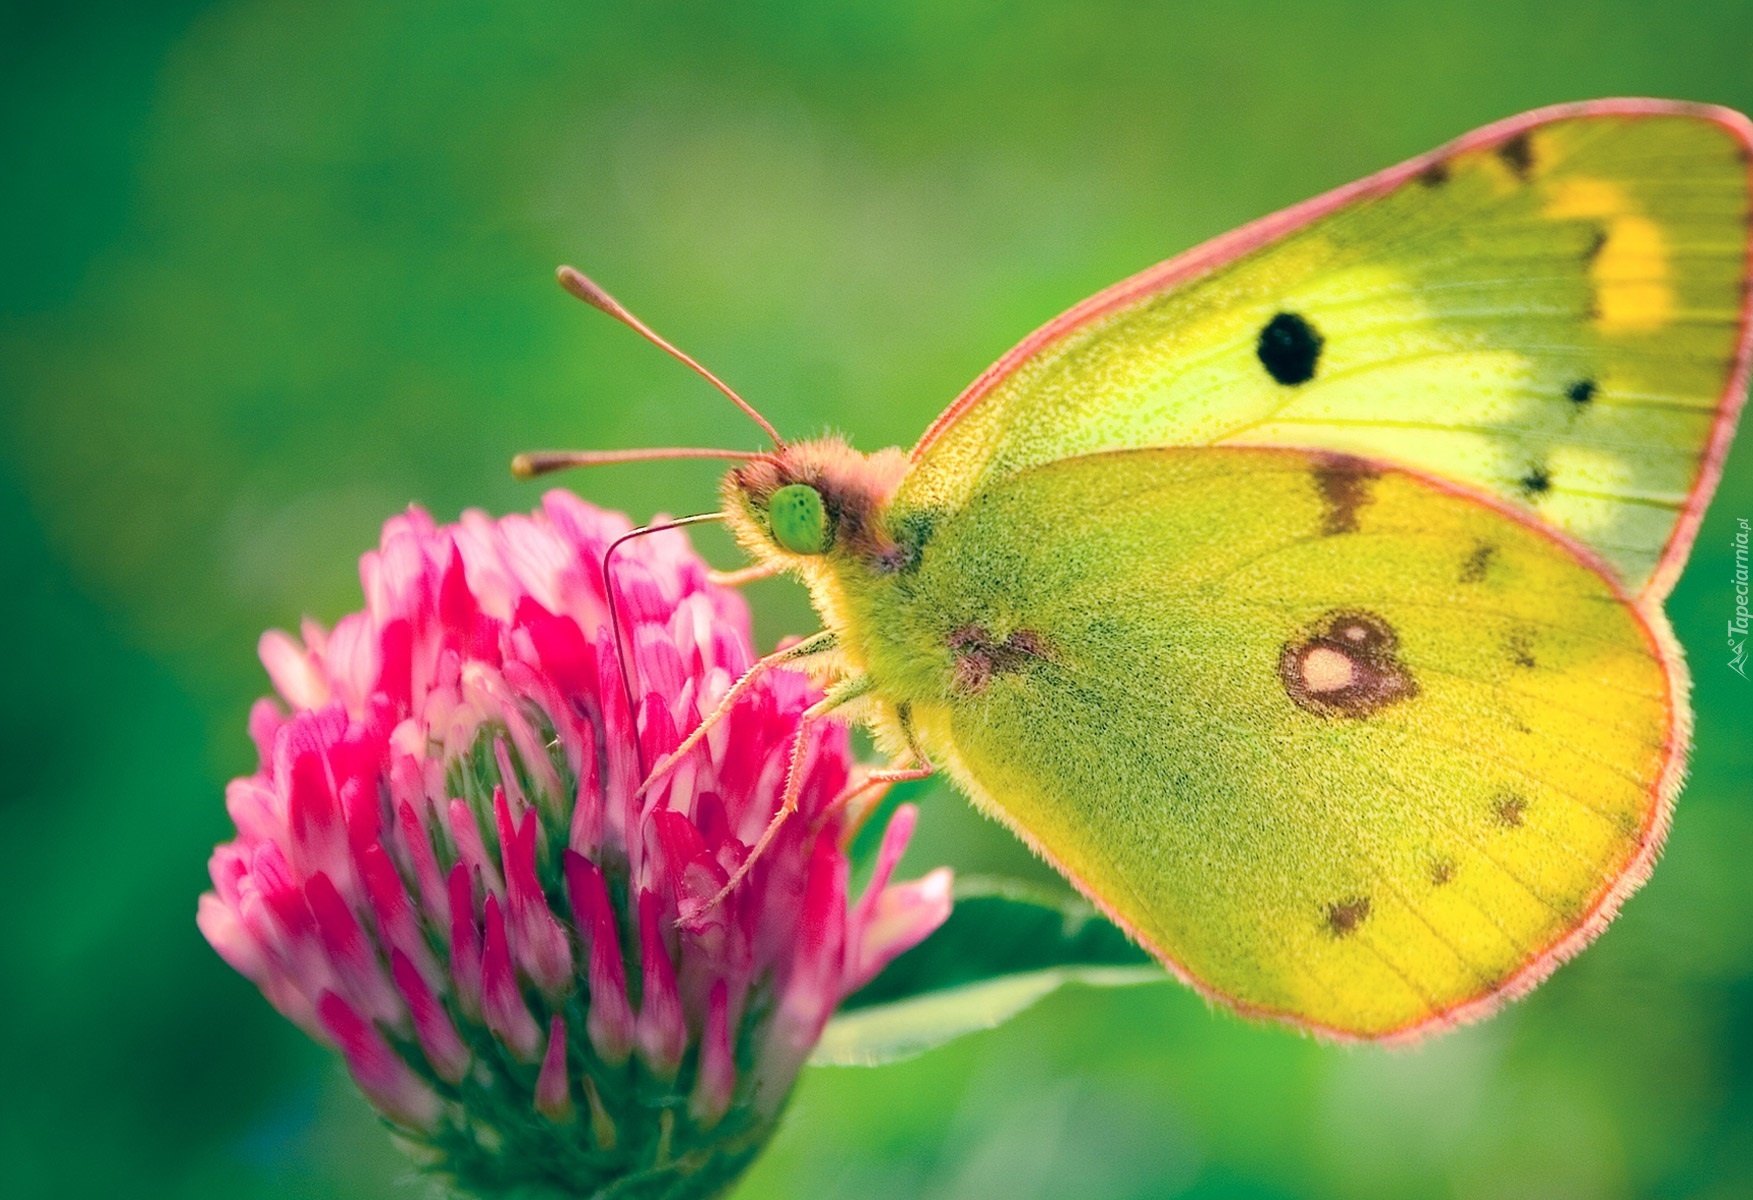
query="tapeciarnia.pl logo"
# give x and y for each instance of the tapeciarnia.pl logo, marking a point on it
(1739, 623)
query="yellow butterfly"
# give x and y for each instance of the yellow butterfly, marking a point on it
(1300, 598)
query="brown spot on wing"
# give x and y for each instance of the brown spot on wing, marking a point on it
(980, 656)
(972, 673)
(1344, 916)
(1441, 871)
(1345, 486)
(1473, 570)
(1509, 810)
(1518, 155)
(1521, 648)
(1366, 646)
(1435, 175)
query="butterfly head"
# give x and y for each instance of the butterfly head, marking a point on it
(813, 500)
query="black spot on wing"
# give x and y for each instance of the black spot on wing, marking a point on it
(1435, 175)
(1536, 483)
(1518, 155)
(1581, 394)
(1289, 349)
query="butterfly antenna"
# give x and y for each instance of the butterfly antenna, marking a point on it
(586, 289)
(545, 462)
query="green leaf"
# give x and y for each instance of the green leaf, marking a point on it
(1004, 947)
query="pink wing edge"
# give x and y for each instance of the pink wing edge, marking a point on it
(1228, 247)
(1536, 966)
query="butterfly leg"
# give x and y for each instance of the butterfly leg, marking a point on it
(904, 768)
(743, 575)
(879, 781)
(842, 694)
(819, 643)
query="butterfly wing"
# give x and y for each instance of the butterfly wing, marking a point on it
(1340, 743)
(1553, 310)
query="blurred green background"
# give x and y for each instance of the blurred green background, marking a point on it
(271, 270)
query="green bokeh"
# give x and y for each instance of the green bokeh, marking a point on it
(270, 270)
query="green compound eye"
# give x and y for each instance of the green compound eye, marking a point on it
(796, 517)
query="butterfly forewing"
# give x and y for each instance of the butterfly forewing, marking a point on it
(1340, 743)
(1553, 311)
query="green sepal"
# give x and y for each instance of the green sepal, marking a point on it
(1004, 946)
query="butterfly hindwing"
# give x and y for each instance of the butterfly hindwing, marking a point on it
(1342, 744)
(1553, 311)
